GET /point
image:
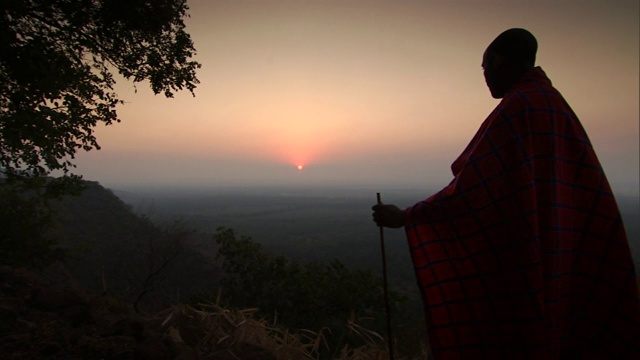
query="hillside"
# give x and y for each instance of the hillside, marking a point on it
(111, 249)
(118, 260)
(132, 289)
(46, 317)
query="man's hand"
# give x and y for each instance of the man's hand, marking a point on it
(388, 216)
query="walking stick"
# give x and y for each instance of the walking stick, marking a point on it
(387, 308)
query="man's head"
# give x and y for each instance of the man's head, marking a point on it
(507, 58)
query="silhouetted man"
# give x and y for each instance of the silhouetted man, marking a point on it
(524, 254)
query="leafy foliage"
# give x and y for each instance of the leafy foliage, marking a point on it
(310, 295)
(56, 63)
(25, 220)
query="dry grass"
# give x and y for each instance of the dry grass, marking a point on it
(210, 329)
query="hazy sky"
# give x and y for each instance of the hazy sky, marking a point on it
(378, 93)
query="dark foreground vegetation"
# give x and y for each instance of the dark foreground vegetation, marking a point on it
(88, 277)
(85, 277)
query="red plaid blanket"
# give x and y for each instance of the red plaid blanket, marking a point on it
(524, 254)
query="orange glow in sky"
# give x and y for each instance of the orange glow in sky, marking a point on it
(387, 91)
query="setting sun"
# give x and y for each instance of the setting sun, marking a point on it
(283, 87)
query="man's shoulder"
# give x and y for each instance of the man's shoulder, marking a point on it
(533, 95)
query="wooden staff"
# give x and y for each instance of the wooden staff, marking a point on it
(386, 292)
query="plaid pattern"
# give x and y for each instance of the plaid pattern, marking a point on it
(524, 254)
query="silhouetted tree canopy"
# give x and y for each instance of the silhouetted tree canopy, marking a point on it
(57, 60)
(307, 295)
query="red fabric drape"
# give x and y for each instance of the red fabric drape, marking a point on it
(524, 254)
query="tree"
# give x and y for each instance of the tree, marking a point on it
(57, 59)
(25, 238)
(160, 253)
(303, 295)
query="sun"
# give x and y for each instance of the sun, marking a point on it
(299, 167)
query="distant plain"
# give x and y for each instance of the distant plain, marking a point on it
(311, 223)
